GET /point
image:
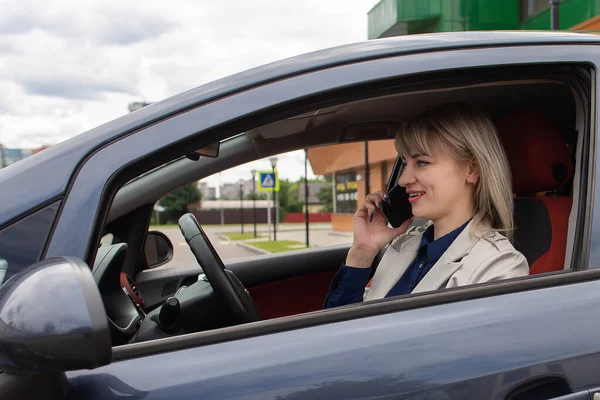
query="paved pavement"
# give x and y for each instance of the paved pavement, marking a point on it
(182, 255)
(316, 237)
(249, 228)
(320, 235)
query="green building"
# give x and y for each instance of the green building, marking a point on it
(402, 17)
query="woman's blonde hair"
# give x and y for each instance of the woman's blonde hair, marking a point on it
(465, 133)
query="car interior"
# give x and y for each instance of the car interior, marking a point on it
(542, 115)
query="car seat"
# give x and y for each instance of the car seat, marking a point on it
(541, 166)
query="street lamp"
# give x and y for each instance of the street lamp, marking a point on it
(253, 172)
(273, 165)
(242, 205)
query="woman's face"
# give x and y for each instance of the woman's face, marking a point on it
(439, 187)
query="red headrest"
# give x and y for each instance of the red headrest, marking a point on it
(539, 159)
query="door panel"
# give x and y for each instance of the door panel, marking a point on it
(280, 284)
(292, 296)
(483, 348)
(290, 283)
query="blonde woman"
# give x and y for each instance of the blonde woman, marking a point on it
(458, 179)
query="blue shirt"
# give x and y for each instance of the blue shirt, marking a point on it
(348, 285)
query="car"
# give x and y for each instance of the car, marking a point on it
(86, 317)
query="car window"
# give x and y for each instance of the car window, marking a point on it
(22, 242)
(335, 185)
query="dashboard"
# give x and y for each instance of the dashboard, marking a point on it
(197, 307)
(122, 300)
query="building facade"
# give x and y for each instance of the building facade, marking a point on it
(232, 190)
(345, 162)
(402, 17)
(208, 192)
(10, 156)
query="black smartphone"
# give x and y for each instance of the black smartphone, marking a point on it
(399, 209)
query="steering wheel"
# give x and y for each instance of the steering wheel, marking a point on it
(224, 282)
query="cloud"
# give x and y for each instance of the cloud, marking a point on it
(68, 88)
(67, 66)
(7, 49)
(107, 23)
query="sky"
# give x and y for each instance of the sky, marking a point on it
(68, 66)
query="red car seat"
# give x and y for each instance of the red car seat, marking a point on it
(540, 162)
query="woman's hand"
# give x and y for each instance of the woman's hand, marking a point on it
(371, 232)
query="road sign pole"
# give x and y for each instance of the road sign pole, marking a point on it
(242, 207)
(267, 182)
(254, 200)
(274, 205)
(306, 213)
(276, 209)
(269, 216)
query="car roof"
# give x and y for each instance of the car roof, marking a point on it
(45, 175)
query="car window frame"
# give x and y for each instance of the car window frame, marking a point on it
(95, 184)
(401, 66)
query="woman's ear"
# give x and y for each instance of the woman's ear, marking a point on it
(473, 173)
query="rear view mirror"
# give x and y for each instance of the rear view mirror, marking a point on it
(208, 151)
(158, 249)
(52, 319)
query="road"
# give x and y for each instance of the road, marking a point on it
(320, 235)
(182, 255)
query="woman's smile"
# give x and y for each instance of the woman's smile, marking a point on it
(414, 195)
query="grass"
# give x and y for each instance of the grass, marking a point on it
(278, 246)
(240, 236)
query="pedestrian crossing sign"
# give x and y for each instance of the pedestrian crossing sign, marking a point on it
(267, 180)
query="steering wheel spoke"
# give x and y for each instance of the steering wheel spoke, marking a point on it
(224, 282)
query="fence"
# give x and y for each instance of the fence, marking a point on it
(312, 217)
(233, 216)
(230, 216)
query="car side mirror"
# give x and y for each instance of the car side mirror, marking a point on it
(52, 319)
(158, 249)
(3, 269)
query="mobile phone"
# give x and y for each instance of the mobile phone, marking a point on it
(399, 209)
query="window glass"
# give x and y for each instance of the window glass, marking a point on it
(346, 192)
(228, 205)
(531, 7)
(21, 243)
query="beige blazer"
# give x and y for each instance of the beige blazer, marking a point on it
(485, 257)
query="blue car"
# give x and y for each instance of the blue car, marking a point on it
(81, 320)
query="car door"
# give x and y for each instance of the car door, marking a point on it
(490, 347)
(482, 342)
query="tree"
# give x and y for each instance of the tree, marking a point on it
(259, 196)
(288, 196)
(178, 200)
(325, 196)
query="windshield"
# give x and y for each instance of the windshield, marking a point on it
(22, 242)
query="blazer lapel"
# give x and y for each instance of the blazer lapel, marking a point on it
(449, 262)
(392, 266)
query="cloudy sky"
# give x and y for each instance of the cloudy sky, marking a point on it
(67, 66)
